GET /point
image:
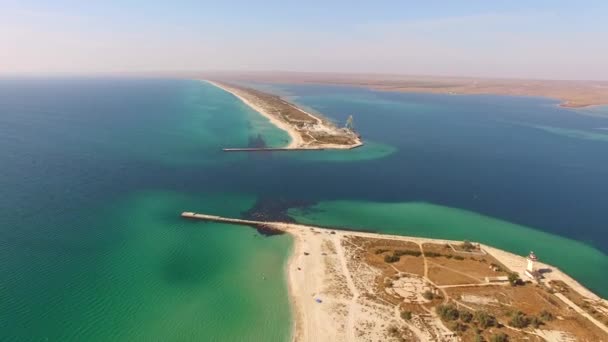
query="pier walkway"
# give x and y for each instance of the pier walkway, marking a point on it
(301, 148)
(271, 149)
(213, 218)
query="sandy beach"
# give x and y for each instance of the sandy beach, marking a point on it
(340, 315)
(306, 130)
(296, 140)
(333, 295)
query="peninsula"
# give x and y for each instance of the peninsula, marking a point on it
(357, 286)
(307, 131)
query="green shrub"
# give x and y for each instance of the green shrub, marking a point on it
(391, 258)
(535, 322)
(432, 254)
(519, 320)
(447, 312)
(514, 279)
(428, 295)
(465, 316)
(407, 252)
(406, 315)
(484, 320)
(381, 250)
(478, 338)
(393, 330)
(467, 245)
(458, 257)
(500, 337)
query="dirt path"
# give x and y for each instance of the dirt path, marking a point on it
(458, 272)
(352, 305)
(581, 311)
(426, 265)
(345, 313)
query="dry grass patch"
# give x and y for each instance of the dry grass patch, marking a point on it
(444, 276)
(374, 252)
(449, 267)
(535, 303)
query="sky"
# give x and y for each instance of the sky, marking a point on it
(516, 39)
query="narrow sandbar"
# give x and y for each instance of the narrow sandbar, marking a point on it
(307, 131)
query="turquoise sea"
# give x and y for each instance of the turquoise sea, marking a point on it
(95, 172)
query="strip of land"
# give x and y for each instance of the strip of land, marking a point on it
(307, 131)
(573, 94)
(357, 286)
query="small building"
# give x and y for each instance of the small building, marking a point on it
(499, 279)
(531, 270)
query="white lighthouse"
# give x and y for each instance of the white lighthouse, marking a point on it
(530, 268)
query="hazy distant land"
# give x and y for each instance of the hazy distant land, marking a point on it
(574, 94)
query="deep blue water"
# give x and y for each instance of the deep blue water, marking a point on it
(482, 153)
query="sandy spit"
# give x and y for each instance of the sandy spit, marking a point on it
(296, 140)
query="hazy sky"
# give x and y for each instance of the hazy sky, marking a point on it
(537, 39)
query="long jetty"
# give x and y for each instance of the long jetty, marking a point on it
(214, 218)
(273, 225)
(510, 260)
(266, 228)
(307, 148)
(270, 149)
(282, 226)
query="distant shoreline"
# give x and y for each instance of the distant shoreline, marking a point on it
(571, 94)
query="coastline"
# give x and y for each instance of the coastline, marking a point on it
(319, 253)
(311, 324)
(296, 140)
(570, 93)
(564, 101)
(297, 135)
(298, 320)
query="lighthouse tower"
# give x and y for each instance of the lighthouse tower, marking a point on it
(530, 269)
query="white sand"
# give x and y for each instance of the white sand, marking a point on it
(328, 272)
(296, 139)
(320, 321)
